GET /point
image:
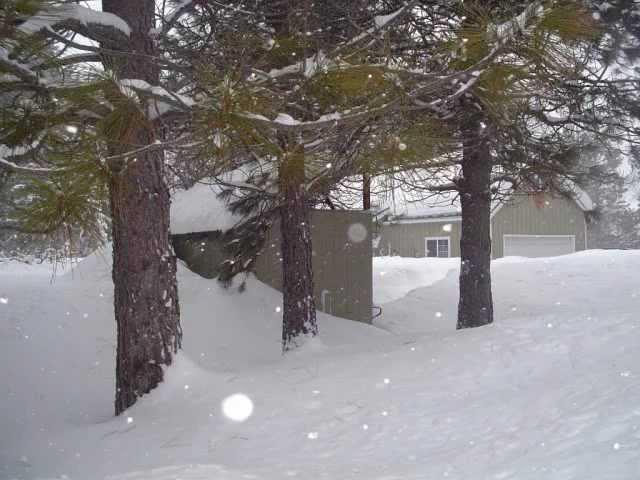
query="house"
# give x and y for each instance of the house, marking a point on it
(527, 225)
(341, 241)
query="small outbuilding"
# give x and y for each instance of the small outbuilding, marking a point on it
(526, 225)
(341, 241)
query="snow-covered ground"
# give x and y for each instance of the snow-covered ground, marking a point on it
(550, 391)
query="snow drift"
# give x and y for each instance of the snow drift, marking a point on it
(549, 391)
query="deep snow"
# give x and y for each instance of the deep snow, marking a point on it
(550, 391)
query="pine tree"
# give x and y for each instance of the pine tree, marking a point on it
(88, 137)
(287, 117)
(512, 69)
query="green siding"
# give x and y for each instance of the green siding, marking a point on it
(407, 239)
(522, 215)
(342, 267)
(542, 215)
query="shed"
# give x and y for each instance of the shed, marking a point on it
(341, 242)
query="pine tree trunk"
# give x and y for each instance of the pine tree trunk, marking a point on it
(144, 267)
(366, 191)
(299, 309)
(475, 307)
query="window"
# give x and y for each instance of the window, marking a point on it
(437, 247)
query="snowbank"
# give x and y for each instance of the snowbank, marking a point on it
(550, 391)
(394, 277)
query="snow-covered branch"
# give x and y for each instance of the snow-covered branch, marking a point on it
(93, 24)
(163, 100)
(507, 31)
(170, 20)
(24, 169)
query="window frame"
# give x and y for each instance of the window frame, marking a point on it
(436, 239)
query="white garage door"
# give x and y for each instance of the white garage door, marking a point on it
(538, 245)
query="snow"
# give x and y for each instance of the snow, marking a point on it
(414, 206)
(86, 16)
(382, 20)
(158, 107)
(199, 209)
(286, 119)
(581, 197)
(549, 391)
(505, 32)
(395, 277)
(178, 10)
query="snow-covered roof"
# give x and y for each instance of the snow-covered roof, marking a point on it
(421, 205)
(199, 209)
(582, 198)
(412, 204)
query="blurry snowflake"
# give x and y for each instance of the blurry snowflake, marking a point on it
(357, 232)
(237, 407)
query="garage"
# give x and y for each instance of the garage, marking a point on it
(538, 245)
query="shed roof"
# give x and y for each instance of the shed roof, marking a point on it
(200, 209)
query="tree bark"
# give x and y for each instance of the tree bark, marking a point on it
(144, 267)
(299, 309)
(366, 191)
(475, 307)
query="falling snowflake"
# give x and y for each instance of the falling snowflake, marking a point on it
(312, 435)
(129, 420)
(4, 300)
(386, 381)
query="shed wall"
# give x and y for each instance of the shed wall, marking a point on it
(342, 267)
